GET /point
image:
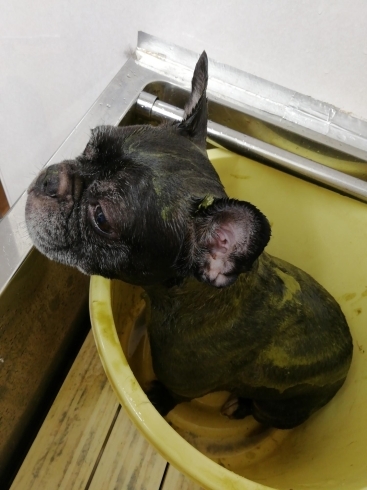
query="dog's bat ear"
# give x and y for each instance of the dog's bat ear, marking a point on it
(230, 235)
(194, 123)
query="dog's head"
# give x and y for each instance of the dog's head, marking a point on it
(144, 204)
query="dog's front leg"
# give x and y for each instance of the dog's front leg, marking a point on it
(161, 398)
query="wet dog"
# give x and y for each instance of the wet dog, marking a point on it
(144, 204)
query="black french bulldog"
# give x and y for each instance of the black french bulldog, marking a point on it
(143, 204)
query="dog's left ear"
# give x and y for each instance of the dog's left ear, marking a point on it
(230, 235)
(194, 123)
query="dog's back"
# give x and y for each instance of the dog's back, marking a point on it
(275, 336)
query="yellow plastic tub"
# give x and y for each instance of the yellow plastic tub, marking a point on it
(321, 232)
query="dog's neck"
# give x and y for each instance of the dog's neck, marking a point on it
(174, 293)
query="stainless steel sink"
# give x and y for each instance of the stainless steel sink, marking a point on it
(43, 305)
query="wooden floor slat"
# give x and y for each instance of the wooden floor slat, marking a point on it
(67, 446)
(128, 461)
(87, 441)
(175, 480)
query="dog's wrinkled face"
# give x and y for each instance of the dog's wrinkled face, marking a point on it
(144, 204)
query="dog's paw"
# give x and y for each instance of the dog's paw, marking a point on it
(160, 397)
(237, 408)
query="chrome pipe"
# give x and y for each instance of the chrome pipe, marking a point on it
(150, 106)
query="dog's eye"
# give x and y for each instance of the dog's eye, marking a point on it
(101, 221)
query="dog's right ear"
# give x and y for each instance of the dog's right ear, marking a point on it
(194, 123)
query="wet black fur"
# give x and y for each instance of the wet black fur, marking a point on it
(143, 204)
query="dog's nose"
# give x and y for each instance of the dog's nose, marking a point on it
(58, 181)
(50, 181)
(54, 182)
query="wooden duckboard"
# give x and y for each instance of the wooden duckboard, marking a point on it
(87, 442)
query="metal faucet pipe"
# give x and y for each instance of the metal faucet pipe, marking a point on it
(150, 106)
